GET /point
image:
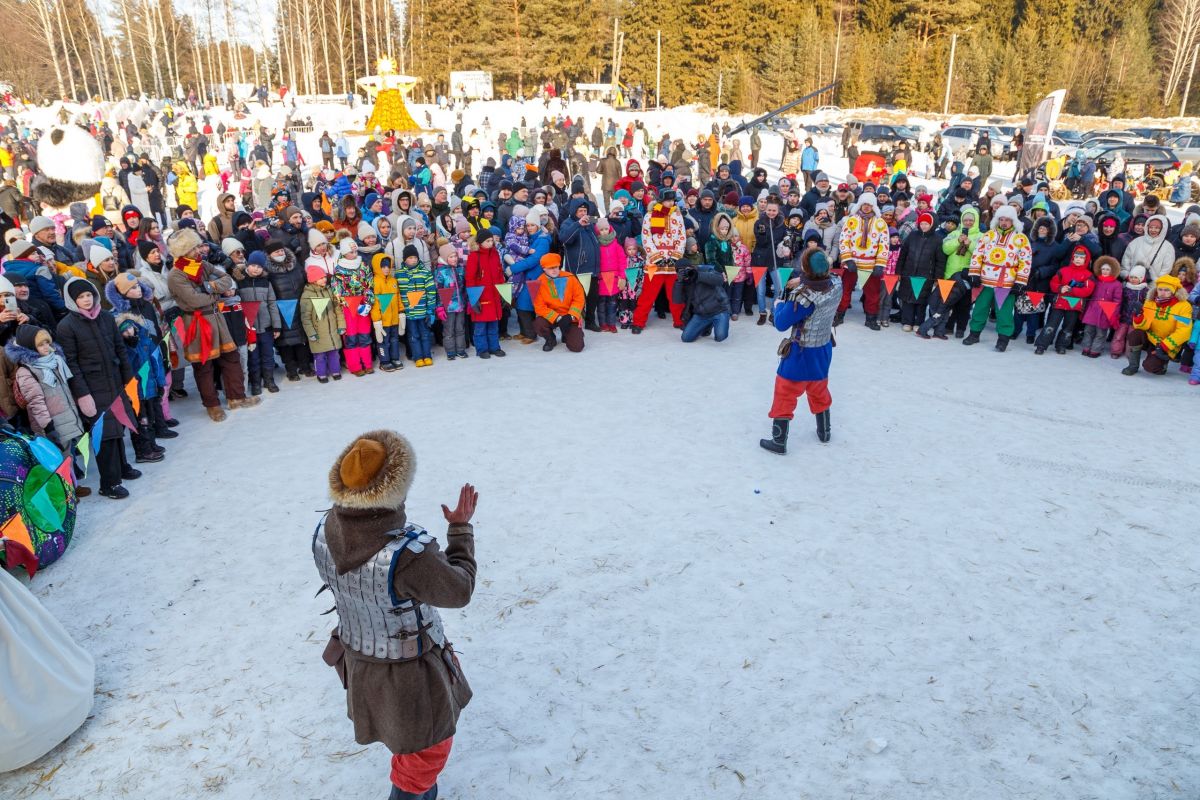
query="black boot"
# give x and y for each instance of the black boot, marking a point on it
(1001, 344)
(778, 441)
(1133, 354)
(400, 794)
(823, 425)
(972, 338)
(255, 386)
(872, 323)
(269, 384)
(839, 318)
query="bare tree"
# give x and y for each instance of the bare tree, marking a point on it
(1180, 21)
(46, 22)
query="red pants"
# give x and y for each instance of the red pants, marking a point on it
(849, 281)
(788, 392)
(870, 294)
(418, 772)
(650, 290)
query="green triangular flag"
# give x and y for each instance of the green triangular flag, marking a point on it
(917, 284)
(84, 448)
(731, 273)
(385, 300)
(144, 373)
(505, 290)
(319, 306)
(631, 275)
(1072, 301)
(586, 280)
(785, 275)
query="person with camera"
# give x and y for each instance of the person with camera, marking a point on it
(705, 296)
(808, 310)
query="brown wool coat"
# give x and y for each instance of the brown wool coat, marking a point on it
(203, 298)
(411, 705)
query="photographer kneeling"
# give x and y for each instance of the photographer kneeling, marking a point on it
(705, 298)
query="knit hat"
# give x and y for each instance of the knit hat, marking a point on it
(374, 471)
(364, 230)
(20, 248)
(1138, 272)
(325, 226)
(368, 168)
(1168, 282)
(274, 245)
(461, 226)
(925, 216)
(99, 222)
(315, 238)
(537, 214)
(258, 258)
(145, 247)
(446, 251)
(289, 211)
(483, 235)
(39, 224)
(182, 242)
(313, 273)
(745, 200)
(347, 245)
(79, 286)
(124, 281)
(730, 198)
(815, 264)
(821, 176)
(551, 260)
(27, 335)
(229, 246)
(410, 251)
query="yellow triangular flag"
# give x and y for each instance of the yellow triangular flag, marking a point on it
(586, 280)
(414, 298)
(84, 448)
(319, 306)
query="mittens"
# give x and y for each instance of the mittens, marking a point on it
(87, 406)
(378, 331)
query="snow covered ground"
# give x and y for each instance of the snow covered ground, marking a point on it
(990, 569)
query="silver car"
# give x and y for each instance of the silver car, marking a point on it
(1186, 147)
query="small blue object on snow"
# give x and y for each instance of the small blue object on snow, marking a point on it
(758, 491)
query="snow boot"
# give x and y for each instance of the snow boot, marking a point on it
(255, 386)
(778, 441)
(117, 492)
(823, 425)
(972, 338)
(269, 384)
(1133, 354)
(838, 319)
(1002, 344)
(400, 794)
(762, 319)
(872, 323)
(128, 473)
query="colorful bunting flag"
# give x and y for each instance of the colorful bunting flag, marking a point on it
(916, 284)
(1000, 295)
(978, 290)
(143, 373)
(445, 295)
(287, 311)
(118, 411)
(560, 287)
(1035, 298)
(98, 433)
(65, 472)
(474, 293)
(84, 448)
(166, 393)
(1181, 318)
(945, 286)
(414, 298)
(250, 310)
(45, 512)
(785, 275)
(505, 290)
(131, 391)
(758, 273)
(319, 306)
(890, 282)
(46, 452)
(609, 281)
(631, 275)
(1109, 307)
(586, 280)
(731, 273)
(1072, 301)
(385, 300)
(18, 547)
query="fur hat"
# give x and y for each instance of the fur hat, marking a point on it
(316, 238)
(866, 199)
(229, 246)
(1004, 212)
(374, 471)
(1114, 266)
(182, 242)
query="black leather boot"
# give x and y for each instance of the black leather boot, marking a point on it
(1134, 355)
(823, 425)
(778, 441)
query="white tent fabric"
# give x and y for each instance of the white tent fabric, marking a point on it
(46, 680)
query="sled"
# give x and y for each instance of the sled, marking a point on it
(37, 502)
(869, 166)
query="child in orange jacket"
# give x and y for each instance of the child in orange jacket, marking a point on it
(558, 302)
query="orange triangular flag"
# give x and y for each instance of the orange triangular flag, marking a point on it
(18, 547)
(758, 273)
(890, 282)
(945, 286)
(414, 298)
(131, 391)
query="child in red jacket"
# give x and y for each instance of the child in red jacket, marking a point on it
(1072, 285)
(1104, 308)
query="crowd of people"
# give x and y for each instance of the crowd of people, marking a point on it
(424, 246)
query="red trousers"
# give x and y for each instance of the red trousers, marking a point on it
(418, 772)
(870, 294)
(787, 393)
(650, 290)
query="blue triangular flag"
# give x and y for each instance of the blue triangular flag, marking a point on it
(46, 452)
(98, 434)
(560, 285)
(287, 311)
(473, 294)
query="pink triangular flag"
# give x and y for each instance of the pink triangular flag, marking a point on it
(118, 411)
(1001, 295)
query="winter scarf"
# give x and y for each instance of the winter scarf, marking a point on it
(51, 366)
(659, 215)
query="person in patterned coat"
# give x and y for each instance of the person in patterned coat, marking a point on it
(1000, 267)
(864, 245)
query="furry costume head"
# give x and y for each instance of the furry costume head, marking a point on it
(71, 165)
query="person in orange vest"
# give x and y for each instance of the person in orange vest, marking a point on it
(558, 302)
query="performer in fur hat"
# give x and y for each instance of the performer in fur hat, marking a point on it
(404, 685)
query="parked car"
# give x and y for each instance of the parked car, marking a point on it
(826, 110)
(1071, 137)
(875, 135)
(1186, 146)
(1135, 160)
(1151, 134)
(964, 138)
(1120, 136)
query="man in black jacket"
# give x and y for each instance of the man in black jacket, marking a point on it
(705, 296)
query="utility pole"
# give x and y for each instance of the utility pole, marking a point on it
(950, 73)
(658, 75)
(720, 87)
(837, 45)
